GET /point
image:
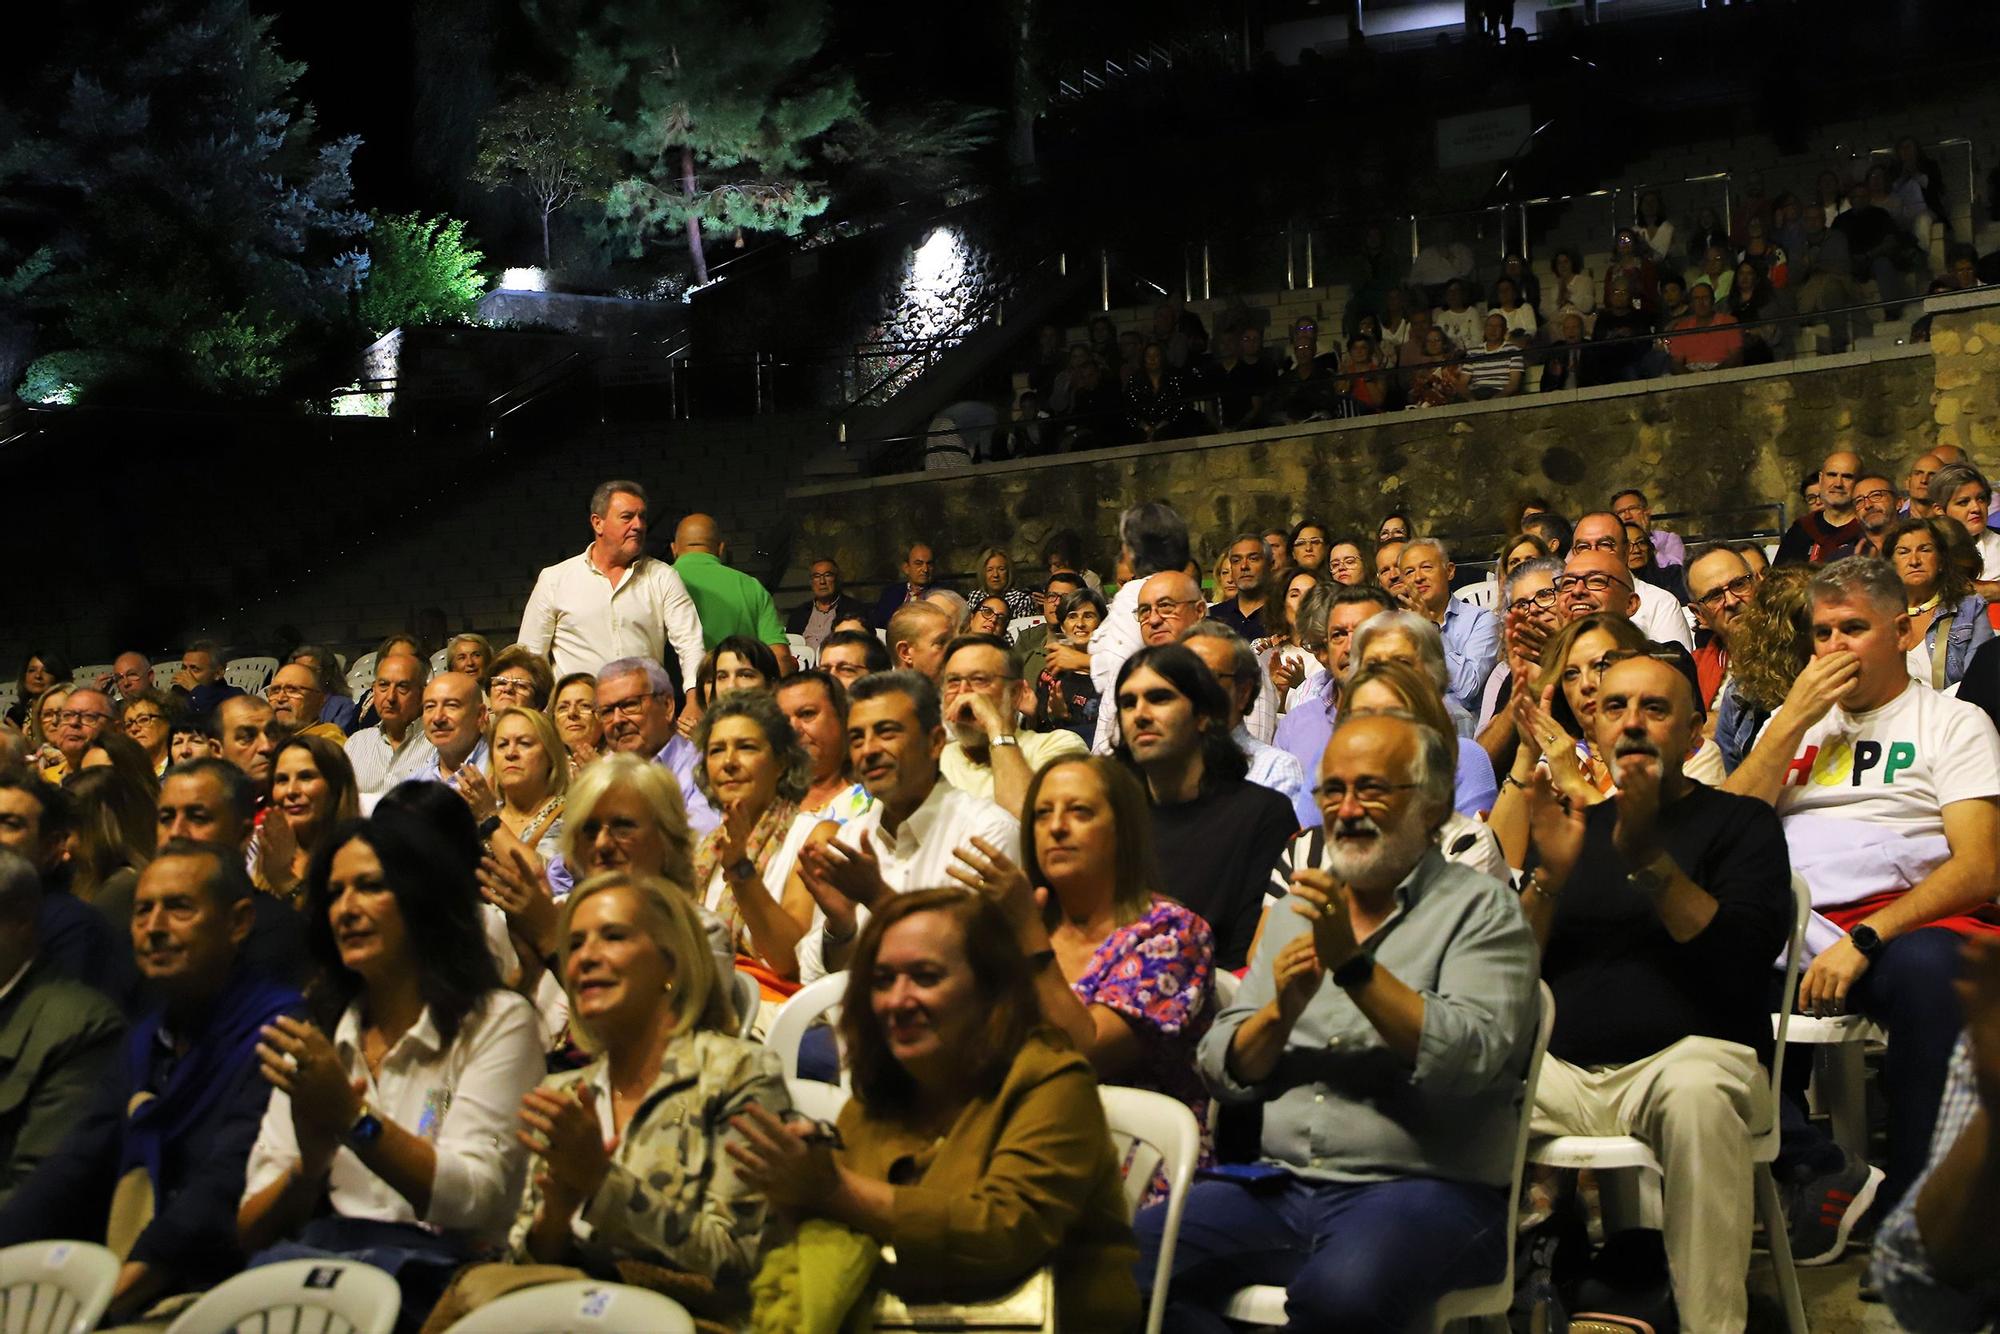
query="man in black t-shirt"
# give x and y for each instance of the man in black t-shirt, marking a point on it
(1813, 538)
(1659, 913)
(1217, 833)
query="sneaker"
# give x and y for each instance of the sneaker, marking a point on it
(1826, 1208)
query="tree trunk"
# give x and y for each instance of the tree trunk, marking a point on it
(546, 210)
(695, 251)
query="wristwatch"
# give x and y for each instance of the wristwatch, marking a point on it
(1004, 739)
(1867, 940)
(489, 826)
(1652, 877)
(742, 869)
(367, 1128)
(1355, 972)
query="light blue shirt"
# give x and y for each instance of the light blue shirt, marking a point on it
(1304, 732)
(678, 757)
(1280, 771)
(433, 770)
(1471, 648)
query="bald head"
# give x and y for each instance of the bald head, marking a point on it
(1836, 484)
(454, 713)
(1595, 581)
(697, 532)
(1169, 602)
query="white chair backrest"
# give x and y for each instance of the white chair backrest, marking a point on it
(1226, 985)
(1154, 1133)
(440, 660)
(163, 673)
(805, 654)
(301, 1297)
(795, 1016)
(746, 995)
(883, 634)
(822, 1102)
(55, 1287)
(250, 674)
(10, 695)
(1545, 1023)
(582, 1306)
(361, 676)
(1020, 625)
(1801, 913)
(1485, 593)
(87, 675)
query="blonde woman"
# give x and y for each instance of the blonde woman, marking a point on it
(524, 784)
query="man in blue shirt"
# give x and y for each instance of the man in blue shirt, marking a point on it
(1471, 634)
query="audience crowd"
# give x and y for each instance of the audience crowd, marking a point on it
(468, 978)
(1439, 328)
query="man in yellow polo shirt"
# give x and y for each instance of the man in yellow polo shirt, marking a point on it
(990, 755)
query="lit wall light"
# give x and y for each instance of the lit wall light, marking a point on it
(524, 280)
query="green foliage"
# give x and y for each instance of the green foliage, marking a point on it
(199, 236)
(551, 144)
(420, 271)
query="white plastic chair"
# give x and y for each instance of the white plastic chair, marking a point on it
(55, 1287)
(746, 995)
(163, 673)
(822, 1102)
(1613, 1153)
(802, 652)
(582, 1306)
(10, 695)
(1155, 1132)
(1264, 1304)
(301, 1297)
(1484, 594)
(361, 676)
(1021, 625)
(250, 674)
(87, 675)
(796, 1015)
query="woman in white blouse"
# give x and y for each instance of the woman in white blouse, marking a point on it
(755, 771)
(392, 1139)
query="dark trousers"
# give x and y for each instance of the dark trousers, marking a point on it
(1350, 1258)
(1907, 990)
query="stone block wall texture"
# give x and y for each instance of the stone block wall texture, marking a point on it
(1966, 381)
(1730, 439)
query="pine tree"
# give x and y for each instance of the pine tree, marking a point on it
(196, 230)
(721, 113)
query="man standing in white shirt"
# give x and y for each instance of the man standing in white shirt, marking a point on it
(394, 749)
(906, 840)
(1890, 797)
(1656, 612)
(613, 600)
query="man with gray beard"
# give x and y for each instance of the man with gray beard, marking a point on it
(1385, 1026)
(1659, 912)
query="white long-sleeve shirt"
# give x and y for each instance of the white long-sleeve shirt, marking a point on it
(463, 1098)
(576, 612)
(917, 855)
(1115, 639)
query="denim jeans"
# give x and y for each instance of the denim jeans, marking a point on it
(1352, 1258)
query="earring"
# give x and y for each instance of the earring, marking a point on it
(668, 987)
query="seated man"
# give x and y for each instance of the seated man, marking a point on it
(1250, 570)
(1471, 634)
(336, 707)
(296, 698)
(454, 712)
(916, 635)
(395, 748)
(1653, 609)
(1817, 534)
(1385, 1025)
(71, 939)
(1658, 913)
(1233, 664)
(1217, 833)
(1890, 794)
(173, 1123)
(909, 837)
(200, 678)
(637, 699)
(990, 754)
(1328, 618)
(58, 1036)
(245, 735)
(85, 717)
(813, 620)
(849, 655)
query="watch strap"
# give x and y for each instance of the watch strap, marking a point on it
(1355, 972)
(1007, 739)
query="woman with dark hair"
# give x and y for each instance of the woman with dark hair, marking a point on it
(754, 770)
(631, 1144)
(1070, 700)
(1575, 289)
(741, 663)
(1753, 300)
(988, 615)
(1308, 545)
(1644, 562)
(40, 673)
(389, 1136)
(1650, 221)
(111, 832)
(1157, 403)
(521, 679)
(975, 1143)
(1133, 970)
(312, 793)
(1947, 617)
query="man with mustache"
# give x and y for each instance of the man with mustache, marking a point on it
(1659, 912)
(1385, 1026)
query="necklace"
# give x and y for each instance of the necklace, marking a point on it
(1923, 607)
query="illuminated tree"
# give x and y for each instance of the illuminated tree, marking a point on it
(420, 271)
(552, 145)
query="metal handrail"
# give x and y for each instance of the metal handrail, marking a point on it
(1971, 167)
(1638, 192)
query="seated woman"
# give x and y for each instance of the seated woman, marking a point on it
(1132, 981)
(1070, 699)
(1947, 618)
(755, 771)
(626, 814)
(149, 717)
(667, 1075)
(313, 793)
(520, 678)
(975, 1143)
(1553, 723)
(1394, 687)
(111, 837)
(988, 616)
(741, 663)
(573, 709)
(40, 672)
(391, 1140)
(471, 654)
(524, 785)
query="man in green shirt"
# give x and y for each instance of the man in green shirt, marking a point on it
(730, 602)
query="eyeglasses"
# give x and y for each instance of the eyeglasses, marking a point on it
(132, 720)
(981, 681)
(1166, 606)
(283, 692)
(576, 708)
(1879, 493)
(621, 829)
(1740, 588)
(1544, 599)
(626, 708)
(82, 716)
(1596, 582)
(510, 685)
(1368, 791)
(1571, 675)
